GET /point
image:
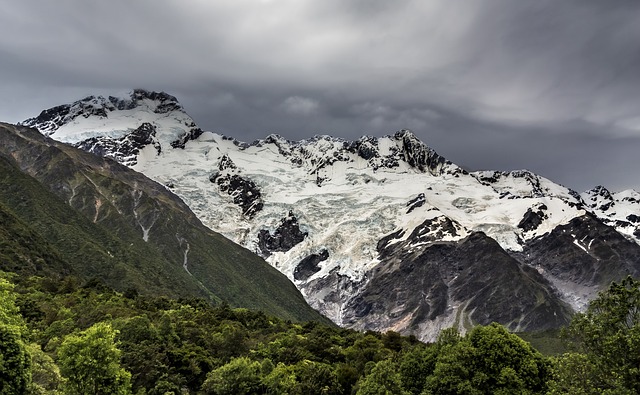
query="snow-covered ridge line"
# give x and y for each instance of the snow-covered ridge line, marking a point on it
(388, 151)
(115, 118)
(318, 160)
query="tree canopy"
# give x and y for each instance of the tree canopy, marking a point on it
(489, 360)
(15, 361)
(605, 342)
(90, 361)
(74, 338)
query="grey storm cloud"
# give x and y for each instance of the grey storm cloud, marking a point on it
(548, 85)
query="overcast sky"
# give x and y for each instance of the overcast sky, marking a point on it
(548, 85)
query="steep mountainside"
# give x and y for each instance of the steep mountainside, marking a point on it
(22, 249)
(67, 211)
(382, 232)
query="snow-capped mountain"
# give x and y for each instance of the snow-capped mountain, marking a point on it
(379, 233)
(119, 127)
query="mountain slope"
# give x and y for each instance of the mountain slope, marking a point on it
(107, 221)
(22, 249)
(377, 232)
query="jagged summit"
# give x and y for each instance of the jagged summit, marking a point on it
(600, 191)
(119, 127)
(386, 152)
(98, 106)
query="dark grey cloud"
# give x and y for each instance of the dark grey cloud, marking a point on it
(503, 84)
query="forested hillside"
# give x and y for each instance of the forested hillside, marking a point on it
(77, 338)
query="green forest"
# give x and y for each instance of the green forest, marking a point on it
(73, 337)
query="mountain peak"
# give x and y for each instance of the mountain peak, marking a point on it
(161, 96)
(405, 133)
(419, 155)
(600, 190)
(119, 127)
(600, 197)
(52, 119)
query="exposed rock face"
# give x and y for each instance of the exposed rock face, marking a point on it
(418, 155)
(600, 198)
(165, 102)
(582, 257)
(445, 284)
(139, 117)
(226, 163)
(532, 219)
(418, 201)
(91, 106)
(285, 237)
(366, 147)
(51, 119)
(191, 134)
(620, 210)
(309, 265)
(429, 231)
(531, 185)
(244, 192)
(321, 152)
(125, 149)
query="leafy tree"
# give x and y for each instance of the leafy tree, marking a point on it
(415, 365)
(573, 373)
(168, 385)
(383, 379)
(241, 376)
(9, 312)
(45, 373)
(347, 377)
(419, 363)
(281, 380)
(229, 340)
(287, 347)
(315, 378)
(489, 360)
(323, 343)
(143, 352)
(90, 361)
(169, 345)
(393, 341)
(366, 349)
(608, 337)
(15, 361)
